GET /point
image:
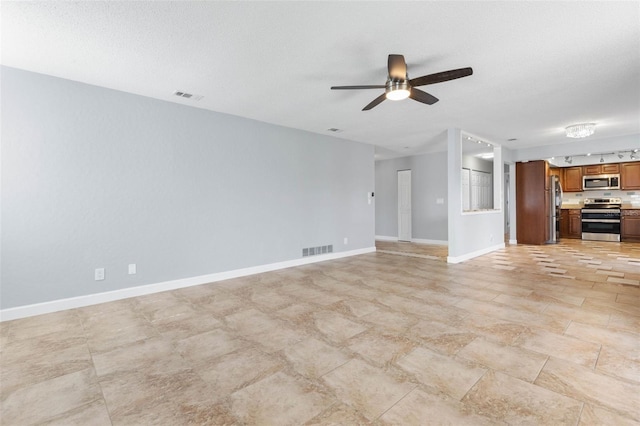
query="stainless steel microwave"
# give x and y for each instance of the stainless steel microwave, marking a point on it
(600, 182)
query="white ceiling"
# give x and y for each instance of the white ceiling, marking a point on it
(538, 66)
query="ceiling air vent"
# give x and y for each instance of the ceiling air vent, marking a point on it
(334, 130)
(187, 95)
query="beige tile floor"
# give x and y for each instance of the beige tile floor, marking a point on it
(525, 335)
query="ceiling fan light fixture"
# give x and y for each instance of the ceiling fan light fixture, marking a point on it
(580, 130)
(397, 90)
(398, 94)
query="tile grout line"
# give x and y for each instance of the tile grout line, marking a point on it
(93, 366)
(397, 402)
(533, 382)
(476, 382)
(580, 415)
(595, 364)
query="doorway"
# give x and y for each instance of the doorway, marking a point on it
(404, 205)
(507, 221)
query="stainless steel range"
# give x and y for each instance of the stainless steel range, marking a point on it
(601, 219)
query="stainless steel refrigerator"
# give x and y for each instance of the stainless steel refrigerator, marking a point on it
(555, 206)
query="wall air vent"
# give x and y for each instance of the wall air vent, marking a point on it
(187, 95)
(314, 251)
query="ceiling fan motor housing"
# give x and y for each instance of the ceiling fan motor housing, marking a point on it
(397, 89)
(397, 85)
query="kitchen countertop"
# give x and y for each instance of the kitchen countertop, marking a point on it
(579, 206)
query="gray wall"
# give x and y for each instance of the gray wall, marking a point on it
(93, 177)
(428, 183)
(470, 233)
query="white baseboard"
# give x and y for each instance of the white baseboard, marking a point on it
(125, 293)
(413, 240)
(513, 242)
(458, 259)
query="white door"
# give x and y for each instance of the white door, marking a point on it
(404, 205)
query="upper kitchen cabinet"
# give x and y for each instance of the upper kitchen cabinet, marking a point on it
(630, 175)
(610, 168)
(572, 179)
(601, 169)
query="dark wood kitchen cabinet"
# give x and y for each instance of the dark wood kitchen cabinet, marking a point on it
(601, 169)
(532, 202)
(570, 223)
(572, 179)
(564, 223)
(575, 223)
(630, 225)
(630, 175)
(610, 168)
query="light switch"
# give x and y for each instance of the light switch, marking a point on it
(132, 268)
(439, 200)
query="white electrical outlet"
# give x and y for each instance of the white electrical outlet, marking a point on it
(132, 268)
(439, 200)
(99, 274)
(346, 241)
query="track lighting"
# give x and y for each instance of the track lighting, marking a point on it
(633, 154)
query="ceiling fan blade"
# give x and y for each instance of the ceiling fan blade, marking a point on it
(397, 67)
(375, 102)
(424, 97)
(440, 77)
(378, 86)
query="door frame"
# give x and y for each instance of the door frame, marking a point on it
(401, 211)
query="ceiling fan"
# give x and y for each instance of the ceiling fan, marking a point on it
(399, 86)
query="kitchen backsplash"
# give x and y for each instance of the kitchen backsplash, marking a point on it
(628, 197)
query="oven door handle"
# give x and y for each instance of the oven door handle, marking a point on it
(615, 210)
(601, 220)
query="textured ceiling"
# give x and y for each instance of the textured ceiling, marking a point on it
(538, 66)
